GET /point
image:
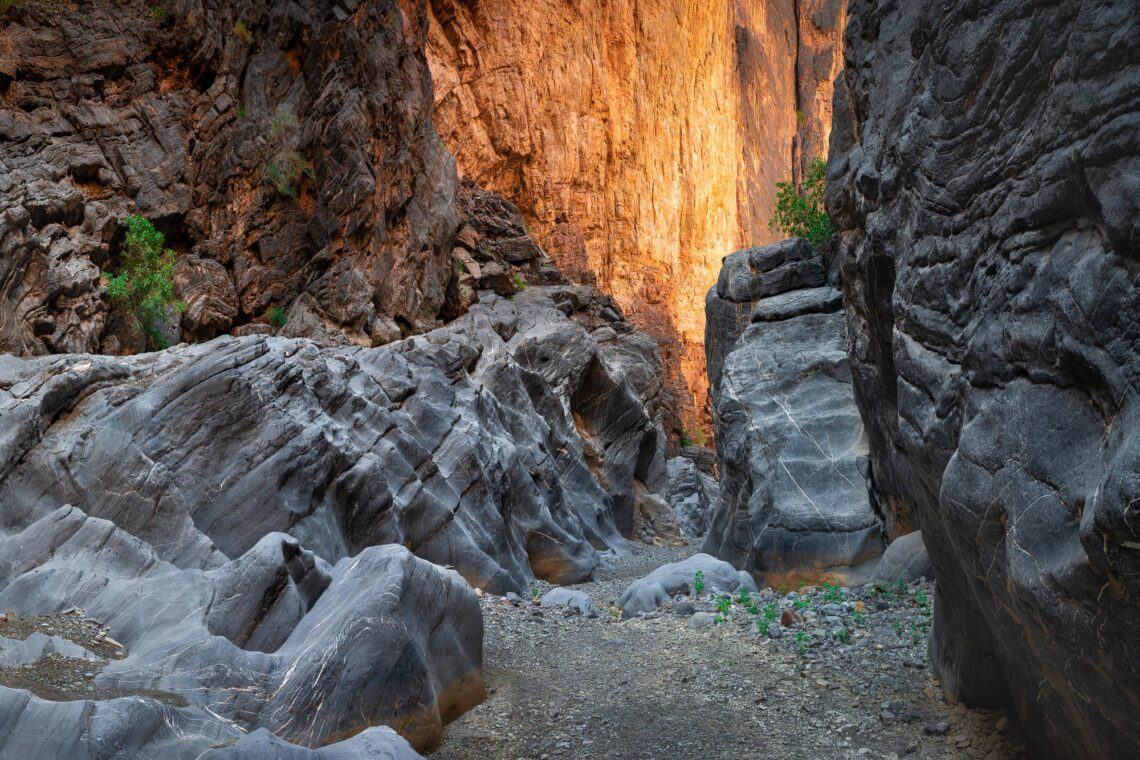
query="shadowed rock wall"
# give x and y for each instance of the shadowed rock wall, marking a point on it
(642, 140)
(188, 112)
(984, 177)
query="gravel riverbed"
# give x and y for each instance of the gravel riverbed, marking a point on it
(806, 673)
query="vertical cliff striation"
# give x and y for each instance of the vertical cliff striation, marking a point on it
(641, 140)
(984, 165)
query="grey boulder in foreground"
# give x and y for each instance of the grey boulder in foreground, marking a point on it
(650, 592)
(984, 179)
(274, 639)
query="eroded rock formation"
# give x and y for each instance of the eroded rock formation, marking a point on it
(274, 639)
(793, 503)
(984, 178)
(285, 149)
(641, 140)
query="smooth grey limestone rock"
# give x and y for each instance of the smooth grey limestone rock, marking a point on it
(469, 445)
(793, 503)
(905, 558)
(648, 593)
(275, 639)
(692, 495)
(796, 303)
(988, 213)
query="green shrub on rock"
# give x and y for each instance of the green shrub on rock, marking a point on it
(800, 213)
(144, 285)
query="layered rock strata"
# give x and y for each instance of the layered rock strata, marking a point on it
(640, 140)
(286, 150)
(987, 200)
(793, 502)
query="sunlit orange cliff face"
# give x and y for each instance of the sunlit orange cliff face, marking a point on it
(642, 139)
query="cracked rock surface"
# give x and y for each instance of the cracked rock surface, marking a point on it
(987, 200)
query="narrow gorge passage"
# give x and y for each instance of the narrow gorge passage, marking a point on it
(567, 684)
(569, 379)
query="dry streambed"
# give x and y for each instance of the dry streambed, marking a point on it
(847, 676)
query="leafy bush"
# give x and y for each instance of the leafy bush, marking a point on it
(801, 213)
(698, 583)
(144, 286)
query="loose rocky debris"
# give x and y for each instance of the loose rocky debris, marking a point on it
(838, 673)
(62, 656)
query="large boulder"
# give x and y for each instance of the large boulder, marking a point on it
(988, 202)
(648, 593)
(503, 445)
(905, 558)
(793, 503)
(274, 639)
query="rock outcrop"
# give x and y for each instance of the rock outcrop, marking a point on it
(793, 503)
(285, 149)
(641, 140)
(692, 496)
(274, 639)
(984, 179)
(505, 445)
(718, 577)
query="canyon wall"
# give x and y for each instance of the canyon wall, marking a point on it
(642, 139)
(285, 149)
(983, 175)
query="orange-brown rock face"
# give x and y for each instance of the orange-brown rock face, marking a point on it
(641, 139)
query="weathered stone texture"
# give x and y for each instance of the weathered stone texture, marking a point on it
(177, 112)
(984, 179)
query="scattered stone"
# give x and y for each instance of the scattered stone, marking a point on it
(700, 620)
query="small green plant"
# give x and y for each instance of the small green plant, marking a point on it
(698, 583)
(783, 589)
(744, 599)
(242, 112)
(285, 166)
(144, 286)
(801, 602)
(921, 599)
(723, 604)
(859, 619)
(277, 317)
(771, 612)
(534, 593)
(831, 593)
(900, 587)
(685, 440)
(844, 636)
(899, 628)
(801, 647)
(801, 117)
(520, 283)
(241, 31)
(158, 13)
(800, 213)
(460, 266)
(718, 618)
(763, 627)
